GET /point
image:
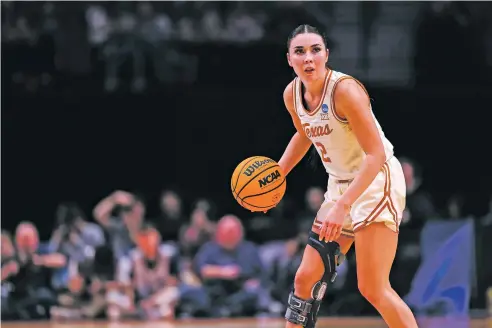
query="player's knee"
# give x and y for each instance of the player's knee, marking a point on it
(372, 292)
(304, 280)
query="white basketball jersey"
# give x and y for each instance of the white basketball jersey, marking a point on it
(332, 135)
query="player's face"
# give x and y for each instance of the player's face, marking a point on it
(308, 56)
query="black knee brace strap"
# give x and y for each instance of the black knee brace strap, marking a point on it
(330, 254)
(305, 312)
(299, 310)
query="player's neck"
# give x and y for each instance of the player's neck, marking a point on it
(316, 87)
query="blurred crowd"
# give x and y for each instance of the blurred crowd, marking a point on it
(154, 38)
(126, 265)
(144, 41)
(148, 34)
(156, 21)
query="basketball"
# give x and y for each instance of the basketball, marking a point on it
(258, 183)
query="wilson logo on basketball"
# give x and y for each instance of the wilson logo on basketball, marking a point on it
(269, 179)
(256, 165)
(317, 130)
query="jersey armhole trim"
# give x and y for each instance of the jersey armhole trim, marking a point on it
(294, 94)
(333, 107)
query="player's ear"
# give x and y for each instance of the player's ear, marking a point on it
(327, 55)
(288, 60)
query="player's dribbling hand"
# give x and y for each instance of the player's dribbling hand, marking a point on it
(332, 224)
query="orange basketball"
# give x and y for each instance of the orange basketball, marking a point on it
(258, 183)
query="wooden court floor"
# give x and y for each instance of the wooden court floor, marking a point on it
(254, 323)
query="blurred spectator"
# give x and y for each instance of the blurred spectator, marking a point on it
(285, 266)
(32, 293)
(487, 219)
(419, 205)
(123, 41)
(74, 236)
(91, 285)
(212, 24)
(77, 301)
(171, 217)
(454, 208)
(419, 208)
(197, 233)
(17, 27)
(274, 225)
(314, 197)
(122, 215)
(208, 206)
(242, 26)
(152, 272)
(10, 268)
(231, 270)
(186, 29)
(8, 254)
(153, 26)
(98, 24)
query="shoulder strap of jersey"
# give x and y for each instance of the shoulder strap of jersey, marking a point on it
(337, 78)
(295, 85)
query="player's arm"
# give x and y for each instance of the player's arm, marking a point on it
(300, 143)
(353, 103)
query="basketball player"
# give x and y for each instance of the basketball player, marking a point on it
(366, 187)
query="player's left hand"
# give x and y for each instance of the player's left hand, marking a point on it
(333, 222)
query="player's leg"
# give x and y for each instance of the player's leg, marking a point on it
(310, 280)
(375, 247)
(376, 217)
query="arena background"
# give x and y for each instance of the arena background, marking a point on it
(150, 96)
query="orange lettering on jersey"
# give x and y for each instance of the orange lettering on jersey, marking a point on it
(317, 130)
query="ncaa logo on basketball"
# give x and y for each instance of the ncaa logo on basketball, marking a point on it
(324, 112)
(269, 179)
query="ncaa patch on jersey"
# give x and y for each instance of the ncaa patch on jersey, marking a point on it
(324, 112)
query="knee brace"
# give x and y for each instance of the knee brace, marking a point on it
(305, 312)
(330, 255)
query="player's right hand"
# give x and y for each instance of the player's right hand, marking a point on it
(331, 227)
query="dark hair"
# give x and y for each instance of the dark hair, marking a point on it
(207, 206)
(313, 159)
(147, 227)
(303, 29)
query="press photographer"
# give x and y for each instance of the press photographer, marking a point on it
(121, 214)
(75, 236)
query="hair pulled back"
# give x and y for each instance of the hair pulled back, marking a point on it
(313, 158)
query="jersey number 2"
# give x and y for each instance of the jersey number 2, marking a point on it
(324, 153)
